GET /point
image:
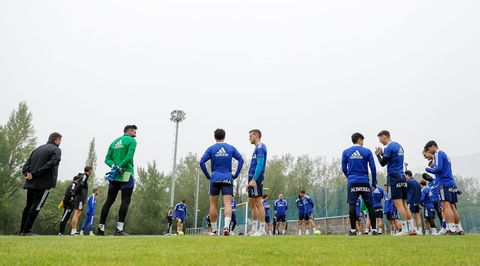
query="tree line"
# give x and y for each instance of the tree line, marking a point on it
(322, 179)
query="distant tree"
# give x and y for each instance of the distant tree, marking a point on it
(92, 161)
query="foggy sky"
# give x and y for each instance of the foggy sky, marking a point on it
(307, 73)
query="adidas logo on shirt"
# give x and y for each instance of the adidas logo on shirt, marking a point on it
(119, 145)
(356, 155)
(221, 153)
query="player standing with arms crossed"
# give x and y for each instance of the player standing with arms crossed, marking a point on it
(281, 206)
(256, 175)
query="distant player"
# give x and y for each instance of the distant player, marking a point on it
(378, 194)
(121, 179)
(429, 209)
(432, 184)
(414, 195)
(309, 207)
(389, 211)
(221, 156)
(281, 207)
(180, 214)
(91, 210)
(392, 156)
(81, 193)
(302, 215)
(68, 205)
(355, 163)
(233, 223)
(169, 220)
(268, 221)
(442, 169)
(256, 175)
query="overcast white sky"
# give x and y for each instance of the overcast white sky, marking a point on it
(308, 73)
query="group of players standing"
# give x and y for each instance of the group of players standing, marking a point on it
(403, 195)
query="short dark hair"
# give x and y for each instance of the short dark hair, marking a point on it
(423, 183)
(430, 144)
(54, 136)
(220, 134)
(356, 137)
(302, 192)
(183, 201)
(265, 196)
(385, 185)
(95, 190)
(256, 132)
(384, 133)
(129, 127)
(87, 168)
(409, 173)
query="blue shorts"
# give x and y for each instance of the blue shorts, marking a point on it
(281, 218)
(267, 219)
(391, 216)
(356, 190)
(414, 208)
(430, 213)
(257, 191)
(397, 186)
(448, 194)
(122, 185)
(225, 188)
(304, 216)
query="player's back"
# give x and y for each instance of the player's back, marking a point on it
(357, 159)
(180, 210)
(427, 198)
(220, 156)
(413, 191)
(389, 204)
(378, 194)
(396, 155)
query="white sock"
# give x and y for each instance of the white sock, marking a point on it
(283, 232)
(380, 230)
(404, 226)
(101, 227)
(74, 232)
(411, 223)
(307, 232)
(459, 227)
(452, 228)
(299, 232)
(254, 225)
(434, 231)
(214, 227)
(120, 226)
(353, 230)
(262, 226)
(227, 221)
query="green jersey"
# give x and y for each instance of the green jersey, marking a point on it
(120, 153)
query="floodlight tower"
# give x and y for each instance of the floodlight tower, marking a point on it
(177, 116)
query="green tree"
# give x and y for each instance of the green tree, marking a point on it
(92, 161)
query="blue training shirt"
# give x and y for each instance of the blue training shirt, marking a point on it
(433, 185)
(414, 193)
(355, 162)
(257, 170)
(300, 205)
(280, 206)
(309, 205)
(180, 211)
(389, 204)
(266, 207)
(427, 198)
(396, 155)
(442, 169)
(220, 156)
(378, 194)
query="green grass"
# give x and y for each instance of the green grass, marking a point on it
(322, 250)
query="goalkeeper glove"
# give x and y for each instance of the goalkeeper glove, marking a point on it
(110, 176)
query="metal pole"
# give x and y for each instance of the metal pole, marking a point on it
(172, 192)
(326, 211)
(196, 198)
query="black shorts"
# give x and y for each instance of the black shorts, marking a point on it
(122, 185)
(356, 190)
(303, 216)
(414, 208)
(281, 218)
(397, 186)
(379, 213)
(257, 191)
(267, 219)
(429, 213)
(225, 188)
(79, 200)
(448, 194)
(391, 216)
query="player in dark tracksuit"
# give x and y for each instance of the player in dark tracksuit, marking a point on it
(68, 205)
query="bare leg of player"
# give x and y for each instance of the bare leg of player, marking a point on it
(227, 202)
(214, 214)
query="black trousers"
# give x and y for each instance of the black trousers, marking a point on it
(35, 200)
(67, 213)
(111, 197)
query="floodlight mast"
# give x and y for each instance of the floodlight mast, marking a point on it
(177, 116)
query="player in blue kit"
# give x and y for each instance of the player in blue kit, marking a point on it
(378, 194)
(281, 206)
(442, 169)
(91, 210)
(256, 175)
(180, 214)
(309, 206)
(268, 221)
(302, 216)
(389, 211)
(220, 156)
(392, 156)
(429, 209)
(355, 163)
(414, 195)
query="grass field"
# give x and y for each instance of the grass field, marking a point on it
(322, 250)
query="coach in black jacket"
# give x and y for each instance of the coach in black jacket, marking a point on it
(41, 171)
